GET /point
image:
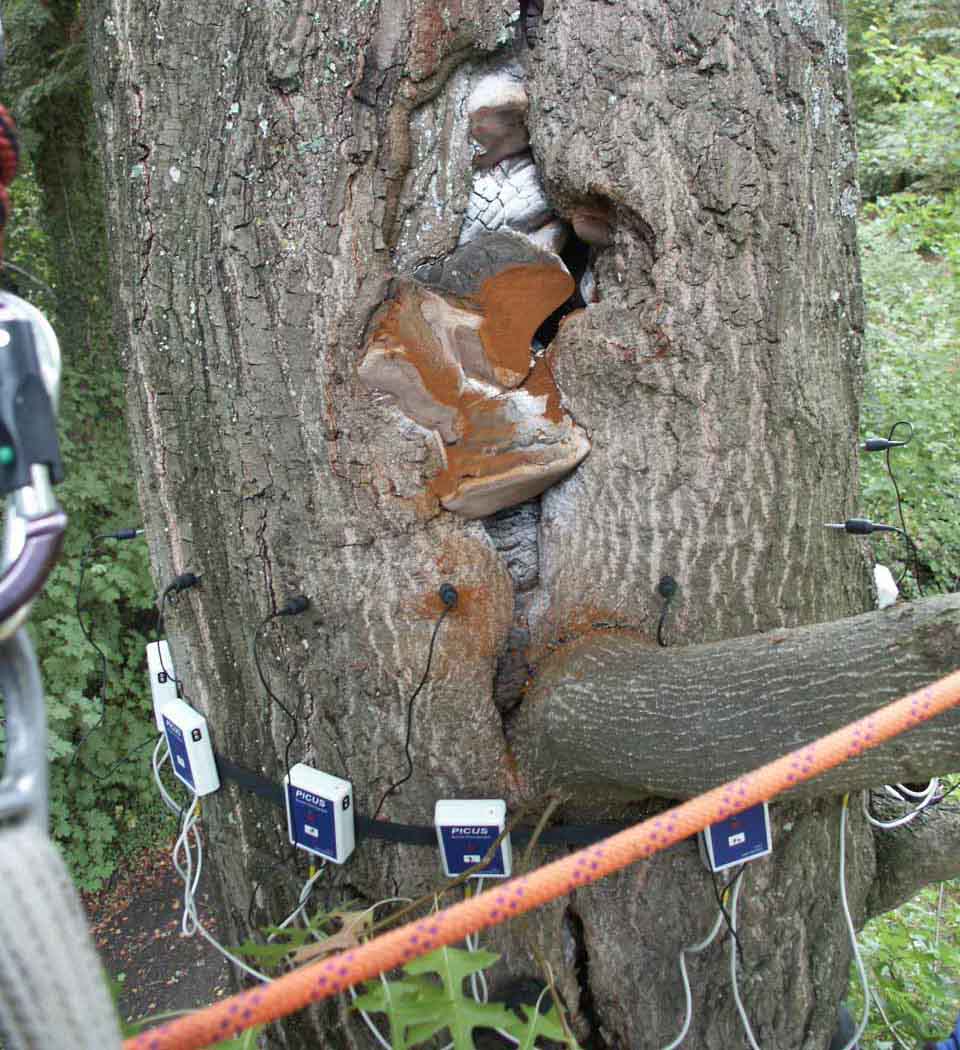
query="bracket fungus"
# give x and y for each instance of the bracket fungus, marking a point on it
(453, 341)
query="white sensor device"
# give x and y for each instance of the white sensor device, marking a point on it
(191, 753)
(319, 812)
(466, 829)
(163, 680)
(740, 838)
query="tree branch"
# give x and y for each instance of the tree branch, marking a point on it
(925, 851)
(611, 710)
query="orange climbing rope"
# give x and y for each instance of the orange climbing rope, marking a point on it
(331, 976)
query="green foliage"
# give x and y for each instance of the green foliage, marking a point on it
(45, 64)
(913, 959)
(429, 998)
(96, 798)
(908, 248)
(906, 80)
(99, 733)
(426, 999)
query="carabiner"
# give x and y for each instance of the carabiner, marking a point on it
(29, 456)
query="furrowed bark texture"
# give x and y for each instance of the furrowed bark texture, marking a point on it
(271, 168)
(912, 856)
(615, 712)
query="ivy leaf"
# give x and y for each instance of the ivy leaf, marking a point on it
(419, 1006)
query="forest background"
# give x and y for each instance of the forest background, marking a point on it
(99, 608)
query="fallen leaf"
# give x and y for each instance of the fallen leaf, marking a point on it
(353, 925)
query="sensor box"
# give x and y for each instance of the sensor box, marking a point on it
(743, 837)
(466, 829)
(191, 753)
(163, 680)
(319, 812)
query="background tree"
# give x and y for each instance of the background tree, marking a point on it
(270, 170)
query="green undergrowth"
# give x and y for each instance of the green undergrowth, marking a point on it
(102, 801)
(910, 249)
(912, 957)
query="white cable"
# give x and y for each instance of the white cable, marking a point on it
(861, 1028)
(932, 787)
(368, 1020)
(190, 922)
(305, 892)
(157, 762)
(733, 968)
(478, 980)
(926, 799)
(693, 949)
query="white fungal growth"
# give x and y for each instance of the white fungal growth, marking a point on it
(500, 90)
(509, 195)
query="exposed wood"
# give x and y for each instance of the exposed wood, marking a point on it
(612, 710)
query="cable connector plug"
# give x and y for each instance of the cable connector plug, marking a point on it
(448, 595)
(122, 534)
(860, 526)
(881, 444)
(667, 587)
(183, 582)
(294, 606)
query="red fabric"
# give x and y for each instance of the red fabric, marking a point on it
(9, 158)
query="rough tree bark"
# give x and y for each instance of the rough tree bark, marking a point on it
(283, 179)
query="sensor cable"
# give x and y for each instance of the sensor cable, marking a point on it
(449, 596)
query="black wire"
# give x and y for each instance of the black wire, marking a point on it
(666, 588)
(84, 562)
(911, 546)
(413, 696)
(294, 718)
(723, 908)
(168, 595)
(85, 559)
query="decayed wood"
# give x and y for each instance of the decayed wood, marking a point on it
(613, 710)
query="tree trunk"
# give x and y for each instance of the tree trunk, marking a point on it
(271, 169)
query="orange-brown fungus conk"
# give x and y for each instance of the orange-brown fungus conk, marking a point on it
(458, 361)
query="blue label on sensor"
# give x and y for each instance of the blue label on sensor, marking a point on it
(179, 759)
(312, 822)
(740, 838)
(466, 845)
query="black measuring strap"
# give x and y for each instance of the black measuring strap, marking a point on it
(249, 780)
(416, 834)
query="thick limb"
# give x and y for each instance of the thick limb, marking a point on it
(612, 710)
